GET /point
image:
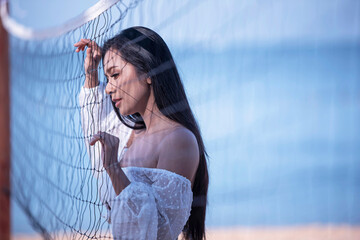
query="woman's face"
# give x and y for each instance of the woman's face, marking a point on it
(129, 91)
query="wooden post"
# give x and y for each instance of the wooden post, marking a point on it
(5, 137)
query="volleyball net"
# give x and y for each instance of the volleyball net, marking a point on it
(52, 176)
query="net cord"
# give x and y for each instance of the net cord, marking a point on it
(23, 32)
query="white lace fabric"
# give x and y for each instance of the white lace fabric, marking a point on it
(157, 202)
(156, 205)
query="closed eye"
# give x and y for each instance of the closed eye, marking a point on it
(115, 75)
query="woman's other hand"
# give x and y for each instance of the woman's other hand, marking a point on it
(110, 148)
(109, 154)
(92, 60)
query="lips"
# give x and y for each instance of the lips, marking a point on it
(117, 102)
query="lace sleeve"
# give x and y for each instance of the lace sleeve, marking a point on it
(97, 114)
(95, 107)
(156, 208)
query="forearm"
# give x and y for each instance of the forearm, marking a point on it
(118, 178)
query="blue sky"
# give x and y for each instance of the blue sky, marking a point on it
(219, 23)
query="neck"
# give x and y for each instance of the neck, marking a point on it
(153, 118)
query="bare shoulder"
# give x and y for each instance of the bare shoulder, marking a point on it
(179, 153)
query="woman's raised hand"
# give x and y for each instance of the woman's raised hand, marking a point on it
(92, 60)
(110, 148)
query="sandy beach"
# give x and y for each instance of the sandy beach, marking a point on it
(308, 232)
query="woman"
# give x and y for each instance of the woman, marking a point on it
(159, 176)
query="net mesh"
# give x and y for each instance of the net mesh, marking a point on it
(51, 174)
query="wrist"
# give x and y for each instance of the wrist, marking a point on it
(91, 71)
(118, 178)
(91, 80)
(112, 168)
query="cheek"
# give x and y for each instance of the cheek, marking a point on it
(136, 89)
(135, 100)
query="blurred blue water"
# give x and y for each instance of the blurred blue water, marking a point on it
(281, 126)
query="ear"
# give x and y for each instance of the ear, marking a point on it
(148, 80)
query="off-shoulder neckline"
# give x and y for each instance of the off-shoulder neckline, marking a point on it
(159, 170)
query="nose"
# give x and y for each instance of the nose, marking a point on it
(109, 89)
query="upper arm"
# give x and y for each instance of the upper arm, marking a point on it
(179, 153)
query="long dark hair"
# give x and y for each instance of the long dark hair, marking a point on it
(149, 54)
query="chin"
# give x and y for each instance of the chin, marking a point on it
(125, 112)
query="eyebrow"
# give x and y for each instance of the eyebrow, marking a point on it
(108, 70)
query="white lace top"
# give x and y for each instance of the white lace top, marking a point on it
(157, 202)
